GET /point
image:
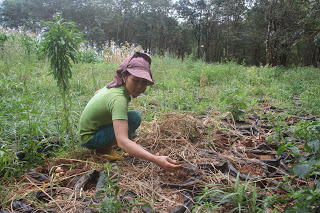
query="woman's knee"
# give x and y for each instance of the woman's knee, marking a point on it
(134, 118)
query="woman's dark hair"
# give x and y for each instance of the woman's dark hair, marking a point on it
(126, 73)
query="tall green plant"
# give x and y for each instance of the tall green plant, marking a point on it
(60, 44)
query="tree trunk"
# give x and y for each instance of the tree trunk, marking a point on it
(268, 46)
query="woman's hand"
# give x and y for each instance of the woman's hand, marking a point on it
(167, 163)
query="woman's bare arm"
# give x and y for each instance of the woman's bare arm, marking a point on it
(133, 149)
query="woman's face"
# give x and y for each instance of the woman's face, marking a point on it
(134, 86)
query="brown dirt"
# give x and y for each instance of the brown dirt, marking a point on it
(261, 157)
(178, 177)
(254, 170)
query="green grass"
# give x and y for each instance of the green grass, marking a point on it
(31, 105)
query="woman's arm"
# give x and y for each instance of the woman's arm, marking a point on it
(133, 149)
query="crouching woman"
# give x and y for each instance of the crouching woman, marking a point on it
(106, 121)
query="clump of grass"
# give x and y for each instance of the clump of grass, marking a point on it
(237, 196)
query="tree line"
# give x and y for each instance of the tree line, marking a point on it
(253, 32)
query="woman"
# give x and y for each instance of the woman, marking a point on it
(106, 121)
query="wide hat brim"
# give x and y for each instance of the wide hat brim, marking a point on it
(137, 65)
(140, 68)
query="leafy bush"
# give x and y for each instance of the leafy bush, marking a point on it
(88, 56)
(60, 44)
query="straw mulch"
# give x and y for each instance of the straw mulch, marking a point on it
(182, 137)
(186, 139)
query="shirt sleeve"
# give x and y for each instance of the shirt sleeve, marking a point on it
(119, 108)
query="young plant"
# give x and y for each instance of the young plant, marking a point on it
(109, 190)
(234, 103)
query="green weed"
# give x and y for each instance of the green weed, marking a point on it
(237, 196)
(7, 162)
(306, 167)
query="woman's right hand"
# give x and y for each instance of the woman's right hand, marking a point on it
(167, 163)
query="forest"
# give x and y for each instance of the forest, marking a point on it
(236, 101)
(254, 32)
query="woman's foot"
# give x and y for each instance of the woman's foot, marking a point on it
(113, 155)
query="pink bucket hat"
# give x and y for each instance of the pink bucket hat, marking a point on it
(138, 65)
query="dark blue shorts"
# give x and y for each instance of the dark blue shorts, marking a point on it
(106, 133)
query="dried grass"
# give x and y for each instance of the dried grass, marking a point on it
(115, 53)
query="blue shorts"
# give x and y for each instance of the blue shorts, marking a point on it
(106, 133)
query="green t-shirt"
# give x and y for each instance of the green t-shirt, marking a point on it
(104, 107)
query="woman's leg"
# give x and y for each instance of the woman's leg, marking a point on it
(134, 121)
(105, 137)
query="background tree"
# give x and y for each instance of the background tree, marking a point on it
(254, 33)
(307, 46)
(195, 12)
(13, 14)
(286, 25)
(275, 32)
